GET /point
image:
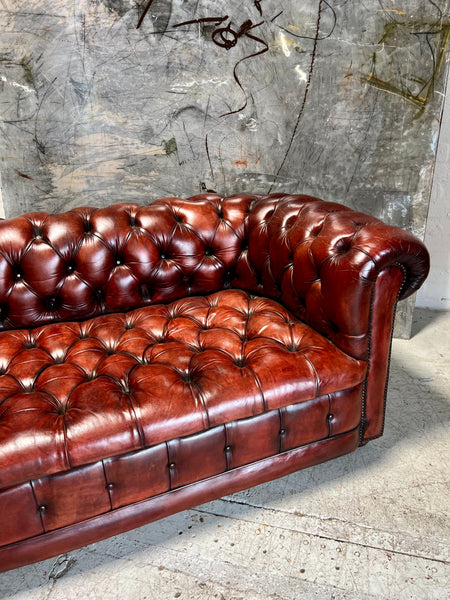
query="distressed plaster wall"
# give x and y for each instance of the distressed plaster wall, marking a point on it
(435, 293)
(111, 100)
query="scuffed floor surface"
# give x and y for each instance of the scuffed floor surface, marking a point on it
(374, 524)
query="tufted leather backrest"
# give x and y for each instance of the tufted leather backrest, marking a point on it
(322, 259)
(91, 261)
(319, 259)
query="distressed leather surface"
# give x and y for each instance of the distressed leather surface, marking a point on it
(319, 259)
(155, 357)
(75, 393)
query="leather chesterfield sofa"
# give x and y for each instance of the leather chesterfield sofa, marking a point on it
(156, 357)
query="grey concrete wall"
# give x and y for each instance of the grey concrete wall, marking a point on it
(110, 100)
(435, 293)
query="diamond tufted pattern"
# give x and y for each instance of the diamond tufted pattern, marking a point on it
(75, 393)
(157, 357)
(319, 259)
(116, 259)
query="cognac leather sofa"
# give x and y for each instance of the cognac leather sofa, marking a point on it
(156, 357)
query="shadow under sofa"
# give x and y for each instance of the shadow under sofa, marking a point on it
(153, 358)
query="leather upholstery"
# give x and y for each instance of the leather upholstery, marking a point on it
(147, 350)
(75, 393)
(320, 259)
(121, 480)
(127, 517)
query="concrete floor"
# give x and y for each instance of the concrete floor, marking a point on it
(374, 524)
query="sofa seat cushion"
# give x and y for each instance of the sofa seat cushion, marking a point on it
(78, 392)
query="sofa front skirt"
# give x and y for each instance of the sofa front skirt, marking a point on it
(59, 513)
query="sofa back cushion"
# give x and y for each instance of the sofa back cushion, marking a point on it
(91, 261)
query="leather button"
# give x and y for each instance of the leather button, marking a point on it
(330, 417)
(282, 431)
(42, 509)
(109, 487)
(228, 448)
(172, 466)
(51, 303)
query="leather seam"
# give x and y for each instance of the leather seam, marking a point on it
(362, 440)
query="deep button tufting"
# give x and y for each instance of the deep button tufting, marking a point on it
(186, 377)
(70, 268)
(61, 409)
(18, 275)
(209, 252)
(240, 362)
(51, 303)
(146, 292)
(119, 261)
(343, 246)
(99, 420)
(227, 279)
(124, 388)
(158, 362)
(330, 417)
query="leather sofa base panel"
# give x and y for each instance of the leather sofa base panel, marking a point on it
(140, 513)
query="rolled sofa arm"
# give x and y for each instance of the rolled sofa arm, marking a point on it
(322, 260)
(340, 271)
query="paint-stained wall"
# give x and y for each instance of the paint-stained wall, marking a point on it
(111, 100)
